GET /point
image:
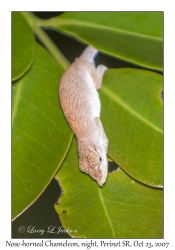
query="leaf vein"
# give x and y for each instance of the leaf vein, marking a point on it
(127, 107)
(106, 212)
(103, 27)
(34, 140)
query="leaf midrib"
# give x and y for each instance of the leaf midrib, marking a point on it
(106, 212)
(127, 107)
(102, 27)
(17, 98)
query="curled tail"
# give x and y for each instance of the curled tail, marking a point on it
(89, 53)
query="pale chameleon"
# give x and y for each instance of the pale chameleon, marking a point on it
(81, 106)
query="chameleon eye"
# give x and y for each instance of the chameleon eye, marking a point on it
(93, 159)
(100, 159)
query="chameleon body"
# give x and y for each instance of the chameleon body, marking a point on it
(81, 106)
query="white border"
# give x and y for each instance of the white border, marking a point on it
(5, 96)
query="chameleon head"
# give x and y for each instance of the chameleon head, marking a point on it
(95, 164)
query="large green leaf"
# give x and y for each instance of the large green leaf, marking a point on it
(23, 45)
(40, 134)
(122, 208)
(132, 114)
(132, 36)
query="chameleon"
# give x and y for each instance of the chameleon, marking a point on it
(81, 106)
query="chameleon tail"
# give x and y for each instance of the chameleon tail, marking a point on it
(89, 53)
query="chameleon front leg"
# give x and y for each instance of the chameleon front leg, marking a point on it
(97, 75)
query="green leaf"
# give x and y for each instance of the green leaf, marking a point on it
(41, 136)
(123, 208)
(23, 45)
(136, 37)
(132, 114)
